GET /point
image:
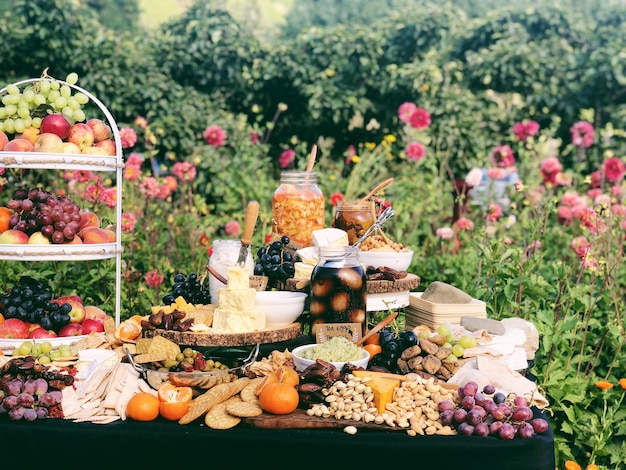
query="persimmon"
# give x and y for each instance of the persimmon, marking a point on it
(373, 349)
(129, 330)
(5, 215)
(1, 319)
(143, 406)
(270, 378)
(374, 339)
(279, 398)
(174, 401)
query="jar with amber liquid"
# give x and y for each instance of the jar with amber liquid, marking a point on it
(298, 207)
(338, 292)
(354, 217)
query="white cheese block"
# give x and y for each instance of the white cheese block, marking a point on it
(237, 321)
(303, 270)
(330, 237)
(238, 278)
(241, 299)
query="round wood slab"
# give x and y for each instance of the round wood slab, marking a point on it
(268, 335)
(410, 282)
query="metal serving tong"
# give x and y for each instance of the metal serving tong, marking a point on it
(383, 217)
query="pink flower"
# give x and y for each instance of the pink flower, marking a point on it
(135, 158)
(214, 136)
(82, 176)
(526, 129)
(350, 153)
(164, 191)
(405, 111)
(445, 233)
(254, 137)
(614, 169)
(463, 223)
(590, 263)
(503, 156)
(592, 222)
(594, 193)
(149, 186)
(171, 182)
(286, 158)
(335, 198)
(141, 122)
(93, 193)
(474, 177)
(132, 172)
(571, 198)
(494, 212)
(184, 171)
(496, 173)
(154, 279)
(420, 118)
(583, 134)
(109, 197)
(564, 214)
(549, 168)
(596, 179)
(128, 222)
(618, 209)
(232, 229)
(580, 245)
(563, 179)
(128, 136)
(415, 151)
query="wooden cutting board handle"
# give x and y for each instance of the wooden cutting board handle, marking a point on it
(252, 213)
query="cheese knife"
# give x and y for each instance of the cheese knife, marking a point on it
(252, 213)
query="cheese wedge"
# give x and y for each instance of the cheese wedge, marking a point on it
(378, 375)
(330, 237)
(383, 390)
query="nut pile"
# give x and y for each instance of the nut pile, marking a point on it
(414, 407)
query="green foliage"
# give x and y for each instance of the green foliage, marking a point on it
(121, 15)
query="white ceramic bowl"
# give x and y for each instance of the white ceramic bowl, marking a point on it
(398, 260)
(281, 307)
(301, 363)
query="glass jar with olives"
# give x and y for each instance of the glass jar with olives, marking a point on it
(338, 291)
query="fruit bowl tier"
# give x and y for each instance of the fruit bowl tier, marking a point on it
(56, 252)
(7, 344)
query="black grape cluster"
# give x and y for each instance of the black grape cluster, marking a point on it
(489, 413)
(31, 301)
(190, 288)
(275, 261)
(393, 344)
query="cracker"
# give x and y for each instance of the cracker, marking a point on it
(248, 393)
(91, 341)
(243, 409)
(150, 357)
(142, 345)
(165, 346)
(218, 417)
(215, 395)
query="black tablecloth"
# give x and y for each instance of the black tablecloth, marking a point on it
(160, 443)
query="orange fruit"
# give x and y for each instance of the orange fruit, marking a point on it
(130, 329)
(373, 349)
(287, 375)
(279, 398)
(5, 215)
(270, 378)
(174, 401)
(374, 339)
(143, 406)
(1, 319)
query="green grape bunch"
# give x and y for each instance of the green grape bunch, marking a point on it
(23, 108)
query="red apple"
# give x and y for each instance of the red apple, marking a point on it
(81, 135)
(71, 329)
(13, 237)
(18, 145)
(14, 328)
(90, 325)
(42, 333)
(55, 124)
(77, 314)
(3, 140)
(94, 313)
(49, 143)
(101, 129)
(108, 145)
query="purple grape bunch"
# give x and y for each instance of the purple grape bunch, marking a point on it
(27, 399)
(487, 412)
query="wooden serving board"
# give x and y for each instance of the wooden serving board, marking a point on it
(300, 420)
(410, 282)
(268, 335)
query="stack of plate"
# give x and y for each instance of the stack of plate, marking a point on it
(423, 312)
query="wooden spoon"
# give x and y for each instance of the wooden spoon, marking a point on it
(388, 319)
(312, 157)
(376, 189)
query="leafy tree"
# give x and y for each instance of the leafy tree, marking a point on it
(121, 15)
